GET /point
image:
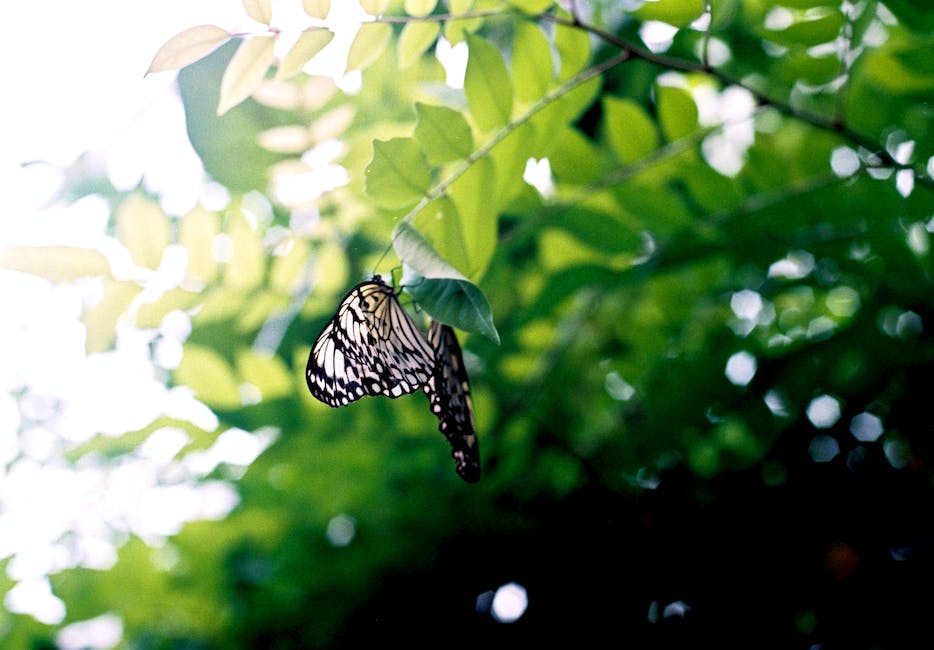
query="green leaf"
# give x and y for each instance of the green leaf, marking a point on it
(144, 229)
(629, 129)
(443, 133)
(397, 174)
(209, 376)
(487, 85)
(311, 41)
(532, 69)
(368, 45)
(458, 303)
(416, 37)
(677, 112)
(599, 230)
(474, 194)
(245, 71)
(674, 12)
(814, 29)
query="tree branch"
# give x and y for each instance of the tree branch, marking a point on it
(831, 124)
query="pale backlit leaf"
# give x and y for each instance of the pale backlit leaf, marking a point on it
(317, 8)
(310, 42)
(371, 40)
(259, 10)
(55, 263)
(245, 71)
(374, 7)
(144, 229)
(187, 47)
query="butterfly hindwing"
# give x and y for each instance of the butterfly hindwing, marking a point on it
(448, 392)
(369, 347)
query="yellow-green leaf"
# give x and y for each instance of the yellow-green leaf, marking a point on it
(487, 85)
(245, 71)
(311, 41)
(629, 129)
(456, 30)
(187, 47)
(532, 6)
(209, 376)
(440, 224)
(473, 195)
(196, 233)
(247, 263)
(55, 263)
(532, 69)
(674, 12)
(100, 320)
(259, 10)
(677, 112)
(443, 133)
(290, 270)
(398, 174)
(420, 7)
(374, 7)
(266, 372)
(368, 45)
(573, 47)
(317, 8)
(416, 37)
(143, 227)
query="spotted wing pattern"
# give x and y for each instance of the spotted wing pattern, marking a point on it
(448, 392)
(370, 347)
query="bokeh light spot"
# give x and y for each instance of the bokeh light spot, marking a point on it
(509, 603)
(824, 411)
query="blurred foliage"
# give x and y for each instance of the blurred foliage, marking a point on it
(623, 468)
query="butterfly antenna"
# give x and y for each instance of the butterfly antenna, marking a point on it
(382, 257)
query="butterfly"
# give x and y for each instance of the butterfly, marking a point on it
(448, 392)
(369, 347)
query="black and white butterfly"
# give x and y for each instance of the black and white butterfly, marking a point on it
(370, 347)
(448, 392)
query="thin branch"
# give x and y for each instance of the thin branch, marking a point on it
(831, 124)
(568, 86)
(438, 18)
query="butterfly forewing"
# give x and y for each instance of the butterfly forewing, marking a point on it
(369, 347)
(448, 392)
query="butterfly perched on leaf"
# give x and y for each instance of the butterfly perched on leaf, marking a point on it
(448, 392)
(372, 347)
(369, 347)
